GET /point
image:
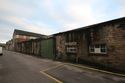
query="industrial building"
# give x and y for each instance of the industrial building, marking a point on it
(21, 36)
(101, 44)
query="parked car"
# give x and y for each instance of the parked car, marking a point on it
(1, 51)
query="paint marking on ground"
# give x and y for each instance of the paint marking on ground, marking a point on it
(49, 76)
(80, 66)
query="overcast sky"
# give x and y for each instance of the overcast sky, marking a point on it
(52, 16)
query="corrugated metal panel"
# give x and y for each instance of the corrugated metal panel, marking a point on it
(47, 48)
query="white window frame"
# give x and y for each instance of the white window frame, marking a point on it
(71, 50)
(97, 49)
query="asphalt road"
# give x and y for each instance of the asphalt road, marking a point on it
(21, 68)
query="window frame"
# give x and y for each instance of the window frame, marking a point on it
(97, 49)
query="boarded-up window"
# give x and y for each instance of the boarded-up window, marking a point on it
(71, 47)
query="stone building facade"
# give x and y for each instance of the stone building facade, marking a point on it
(102, 43)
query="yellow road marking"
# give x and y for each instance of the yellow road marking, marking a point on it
(58, 81)
(49, 76)
(80, 66)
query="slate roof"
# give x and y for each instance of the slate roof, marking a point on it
(21, 32)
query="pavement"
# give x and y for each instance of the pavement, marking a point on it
(21, 68)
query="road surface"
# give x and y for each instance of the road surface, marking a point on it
(22, 68)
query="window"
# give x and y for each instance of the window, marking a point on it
(98, 48)
(16, 36)
(32, 37)
(71, 50)
(92, 49)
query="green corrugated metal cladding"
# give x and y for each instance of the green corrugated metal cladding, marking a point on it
(47, 48)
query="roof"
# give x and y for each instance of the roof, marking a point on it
(21, 32)
(94, 25)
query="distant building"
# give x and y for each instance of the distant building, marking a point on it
(9, 45)
(21, 36)
(2, 45)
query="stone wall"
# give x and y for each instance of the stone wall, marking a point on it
(60, 47)
(114, 38)
(111, 34)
